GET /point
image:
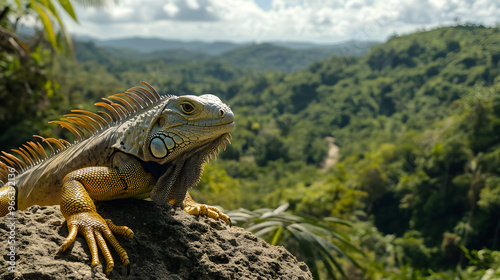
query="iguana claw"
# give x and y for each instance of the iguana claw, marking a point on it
(97, 231)
(194, 208)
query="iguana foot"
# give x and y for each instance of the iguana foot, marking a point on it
(194, 208)
(96, 231)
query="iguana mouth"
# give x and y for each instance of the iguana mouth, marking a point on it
(209, 125)
(227, 121)
(228, 124)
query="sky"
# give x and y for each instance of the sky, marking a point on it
(320, 21)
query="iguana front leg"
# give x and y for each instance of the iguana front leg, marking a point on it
(126, 179)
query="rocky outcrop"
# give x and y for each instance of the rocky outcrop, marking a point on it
(171, 245)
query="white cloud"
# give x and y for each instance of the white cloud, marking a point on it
(171, 9)
(193, 4)
(293, 20)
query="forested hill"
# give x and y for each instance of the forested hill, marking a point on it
(269, 57)
(405, 84)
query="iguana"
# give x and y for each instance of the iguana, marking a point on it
(145, 145)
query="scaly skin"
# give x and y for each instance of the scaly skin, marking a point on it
(153, 147)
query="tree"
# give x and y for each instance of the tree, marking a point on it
(47, 12)
(24, 67)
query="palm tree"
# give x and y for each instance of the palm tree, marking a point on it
(28, 92)
(477, 181)
(50, 16)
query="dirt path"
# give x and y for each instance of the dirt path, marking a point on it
(333, 154)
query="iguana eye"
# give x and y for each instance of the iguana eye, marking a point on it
(187, 108)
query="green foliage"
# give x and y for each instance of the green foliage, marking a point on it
(323, 198)
(414, 251)
(217, 188)
(483, 264)
(316, 241)
(28, 95)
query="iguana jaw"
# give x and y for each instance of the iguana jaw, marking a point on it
(184, 172)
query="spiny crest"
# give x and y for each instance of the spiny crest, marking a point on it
(31, 154)
(82, 124)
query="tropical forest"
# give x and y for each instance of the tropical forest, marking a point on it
(380, 160)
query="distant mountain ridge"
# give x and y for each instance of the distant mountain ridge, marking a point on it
(155, 44)
(144, 44)
(274, 56)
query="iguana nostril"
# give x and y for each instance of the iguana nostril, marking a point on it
(228, 117)
(221, 113)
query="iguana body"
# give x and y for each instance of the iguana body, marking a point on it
(148, 146)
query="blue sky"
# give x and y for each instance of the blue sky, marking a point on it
(321, 21)
(264, 4)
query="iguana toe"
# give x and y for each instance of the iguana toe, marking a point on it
(110, 263)
(73, 230)
(121, 230)
(194, 208)
(213, 212)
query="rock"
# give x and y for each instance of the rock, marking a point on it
(172, 245)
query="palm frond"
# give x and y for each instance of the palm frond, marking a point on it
(316, 240)
(50, 17)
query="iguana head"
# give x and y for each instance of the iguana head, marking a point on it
(188, 124)
(179, 133)
(185, 132)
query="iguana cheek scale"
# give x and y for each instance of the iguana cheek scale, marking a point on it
(143, 145)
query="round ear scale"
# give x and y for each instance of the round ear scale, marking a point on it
(158, 148)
